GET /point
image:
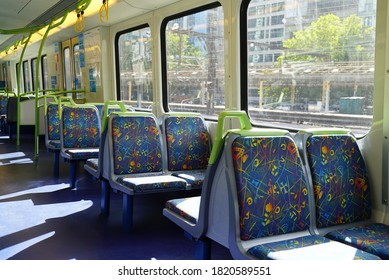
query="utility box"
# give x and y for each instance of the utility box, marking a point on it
(351, 105)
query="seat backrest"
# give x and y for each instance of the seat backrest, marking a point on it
(269, 182)
(187, 138)
(3, 104)
(80, 127)
(339, 176)
(52, 122)
(109, 107)
(52, 118)
(135, 144)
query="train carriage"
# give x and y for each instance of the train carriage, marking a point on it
(181, 130)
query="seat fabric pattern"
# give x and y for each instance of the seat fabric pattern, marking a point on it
(264, 251)
(3, 105)
(81, 128)
(82, 153)
(93, 163)
(185, 207)
(136, 145)
(271, 186)
(340, 180)
(194, 177)
(53, 125)
(372, 238)
(188, 143)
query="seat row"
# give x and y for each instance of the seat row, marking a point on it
(131, 152)
(270, 195)
(141, 154)
(73, 130)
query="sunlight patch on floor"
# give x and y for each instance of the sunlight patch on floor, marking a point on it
(20, 215)
(43, 189)
(14, 158)
(13, 250)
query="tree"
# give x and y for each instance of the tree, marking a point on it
(181, 54)
(330, 39)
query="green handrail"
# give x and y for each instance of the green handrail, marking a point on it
(219, 139)
(18, 112)
(105, 113)
(50, 27)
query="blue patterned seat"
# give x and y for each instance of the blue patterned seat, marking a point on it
(136, 159)
(272, 216)
(94, 166)
(52, 128)
(80, 135)
(341, 190)
(3, 113)
(187, 146)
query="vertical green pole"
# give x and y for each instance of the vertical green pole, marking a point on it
(37, 113)
(25, 42)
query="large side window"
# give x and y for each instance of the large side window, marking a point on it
(33, 73)
(134, 67)
(45, 74)
(77, 67)
(310, 64)
(68, 83)
(193, 61)
(26, 76)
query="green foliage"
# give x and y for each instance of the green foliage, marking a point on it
(181, 54)
(330, 39)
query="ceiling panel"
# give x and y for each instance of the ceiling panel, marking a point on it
(16, 14)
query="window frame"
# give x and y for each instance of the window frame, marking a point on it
(164, 23)
(117, 58)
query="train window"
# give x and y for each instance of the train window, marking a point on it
(17, 77)
(67, 69)
(77, 66)
(312, 64)
(33, 73)
(26, 77)
(45, 73)
(193, 60)
(4, 76)
(134, 67)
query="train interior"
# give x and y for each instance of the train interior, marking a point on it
(52, 208)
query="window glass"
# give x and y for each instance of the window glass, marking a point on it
(194, 61)
(33, 72)
(313, 65)
(45, 74)
(77, 67)
(26, 77)
(134, 59)
(67, 69)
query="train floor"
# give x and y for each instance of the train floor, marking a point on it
(41, 218)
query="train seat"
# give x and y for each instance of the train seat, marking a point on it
(52, 128)
(191, 213)
(3, 113)
(79, 135)
(94, 166)
(270, 202)
(135, 160)
(188, 146)
(341, 190)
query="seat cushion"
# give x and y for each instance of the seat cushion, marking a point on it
(93, 163)
(153, 183)
(53, 144)
(311, 247)
(188, 207)
(194, 177)
(82, 153)
(372, 238)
